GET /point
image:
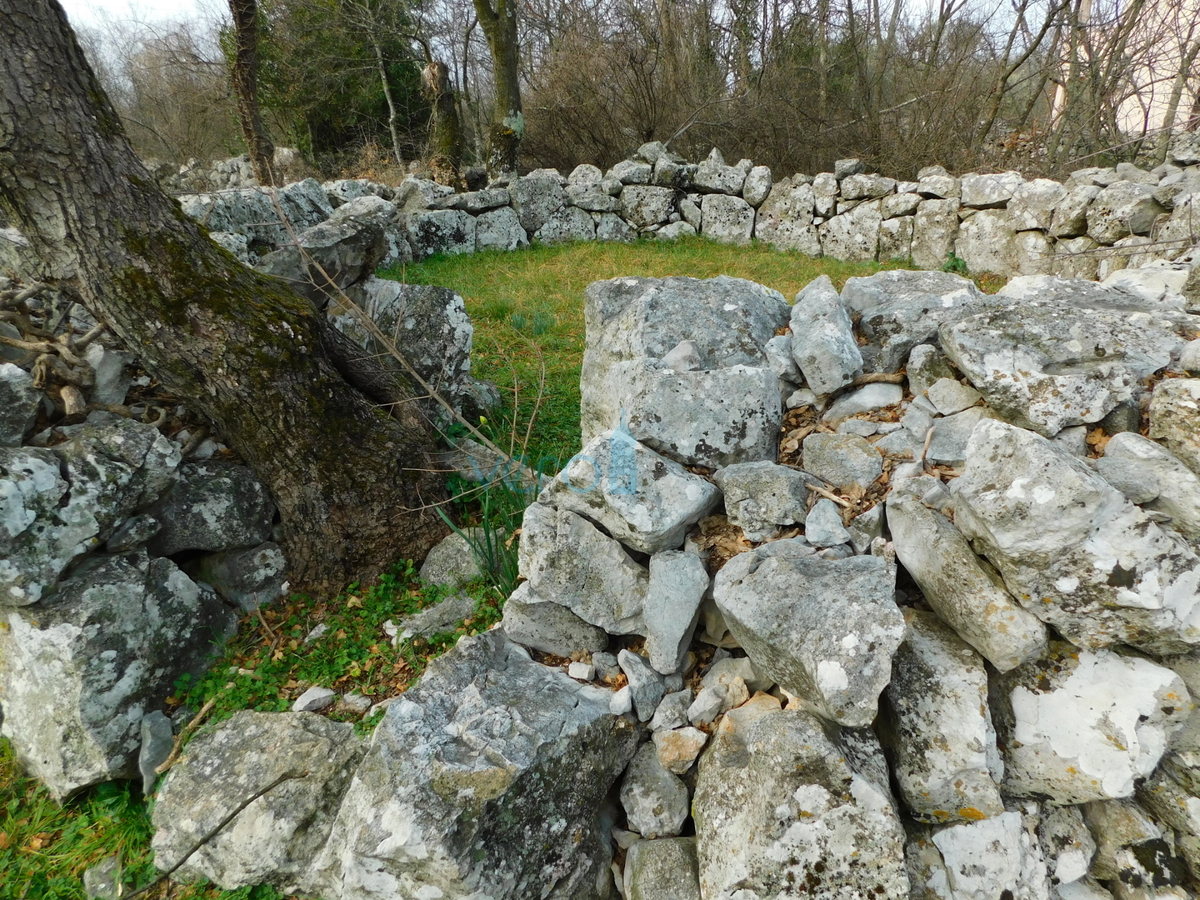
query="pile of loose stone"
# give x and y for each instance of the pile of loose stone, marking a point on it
(945, 649)
(1097, 222)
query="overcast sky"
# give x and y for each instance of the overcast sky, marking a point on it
(88, 12)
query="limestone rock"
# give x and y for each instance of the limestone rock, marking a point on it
(643, 206)
(451, 562)
(935, 229)
(1066, 843)
(547, 626)
(1046, 367)
(19, 404)
(678, 747)
(995, 857)
(57, 505)
(274, 838)
(662, 870)
(568, 560)
(1080, 725)
(568, 223)
(643, 500)
(611, 227)
(448, 231)
(823, 342)
(947, 764)
(655, 800)
(1034, 203)
(79, 672)
(727, 220)
(757, 186)
(1134, 463)
(987, 242)
(646, 686)
(824, 630)
(760, 497)
(898, 310)
(1131, 852)
(476, 202)
(213, 506)
(631, 171)
(1071, 548)
(706, 418)
(714, 177)
(842, 459)
(990, 191)
(489, 776)
(854, 235)
(823, 525)
(963, 590)
(536, 199)
(926, 366)
(247, 578)
(678, 582)
(1070, 215)
(1122, 209)
(1175, 418)
(866, 187)
(635, 319)
(500, 229)
(951, 435)
(782, 812)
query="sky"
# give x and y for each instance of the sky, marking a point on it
(87, 12)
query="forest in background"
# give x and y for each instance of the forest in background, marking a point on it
(1044, 86)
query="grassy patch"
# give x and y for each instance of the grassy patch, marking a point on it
(527, 308)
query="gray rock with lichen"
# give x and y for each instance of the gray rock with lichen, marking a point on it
(486, 779)
(213, 506)
(79, 671)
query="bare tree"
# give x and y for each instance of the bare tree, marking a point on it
(498, 18)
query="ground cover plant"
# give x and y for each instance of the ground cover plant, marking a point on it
(527, 309)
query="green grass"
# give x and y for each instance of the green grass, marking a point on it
(527, 309)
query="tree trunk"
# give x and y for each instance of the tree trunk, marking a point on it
(508, 124)
(245, 87)
(445, 130)
(353, 485)
(393, 115)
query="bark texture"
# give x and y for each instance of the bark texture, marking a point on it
(498, 19)
(245, 88)
(445, 131)
(243, 349)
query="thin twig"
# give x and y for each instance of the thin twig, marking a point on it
(185, 734)
(212, 834)
(840, 501)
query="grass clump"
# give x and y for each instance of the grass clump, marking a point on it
(527, 309)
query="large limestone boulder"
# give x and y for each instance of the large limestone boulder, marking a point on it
(343, 250)
(643, 206)
(898, 310)
(104, 648)
(939, 728)
(990, 191)
(536, 197)
(58, 504)
(987, 242)
(19, 404)
(253, 212)
(824, 630)
(488, 778)
(823, 344)
(783, 809)
(428, 325)
(1071, 548)
(728, 320)
(1048, 367)
(853, 236)
(568, 560)
(966, 592)
(273, 840)
(1175, 418)
(935, 229)
(785, 219)
(727, 220)
(642, 499)
(762, 497)
(500, 229)
(441, 231)
(713, 176)
(215, 505)
(996, 857)
(1080, 725)
(1122, 209)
